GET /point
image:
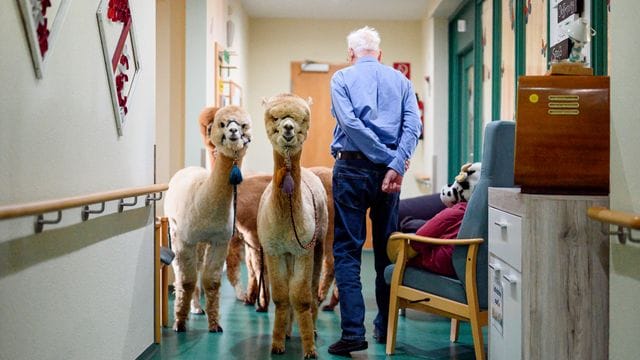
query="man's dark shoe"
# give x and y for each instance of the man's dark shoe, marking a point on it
(379, 336)
(344, 347)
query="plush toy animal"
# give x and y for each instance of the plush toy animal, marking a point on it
(462, 187)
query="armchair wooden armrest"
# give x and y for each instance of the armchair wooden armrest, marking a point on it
(434, 241)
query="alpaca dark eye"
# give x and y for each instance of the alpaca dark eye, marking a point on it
(244, 126)
(221, 124)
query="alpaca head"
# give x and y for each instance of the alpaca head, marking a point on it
(286, 118)
(230, 130)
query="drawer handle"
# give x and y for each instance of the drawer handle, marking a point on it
(511, 280)
(501, 224)
(496, 269)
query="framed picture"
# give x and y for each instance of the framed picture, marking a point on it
(42, 21)
(120, 54)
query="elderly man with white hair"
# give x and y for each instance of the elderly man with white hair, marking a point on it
(377, 130)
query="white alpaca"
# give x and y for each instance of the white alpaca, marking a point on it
(199, 207)
(292, 223)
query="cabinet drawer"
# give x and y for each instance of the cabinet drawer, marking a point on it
(505, 237)
(505, 314)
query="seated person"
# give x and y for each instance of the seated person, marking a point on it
(444, 225)
(414, 212)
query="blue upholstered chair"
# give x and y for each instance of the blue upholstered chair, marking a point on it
(463, 297)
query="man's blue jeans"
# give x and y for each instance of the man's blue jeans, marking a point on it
(357, 187)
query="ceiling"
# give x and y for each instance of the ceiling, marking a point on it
(337, 9)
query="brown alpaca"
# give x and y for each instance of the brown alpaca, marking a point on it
(198, 205)
(292, 222)
(249, 194)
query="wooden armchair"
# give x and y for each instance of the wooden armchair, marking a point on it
(463, 297)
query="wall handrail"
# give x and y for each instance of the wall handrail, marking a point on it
(42, 207)
(620, 218)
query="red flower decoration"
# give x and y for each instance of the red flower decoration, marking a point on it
(119, 11)
(41, 30)
(121, 79)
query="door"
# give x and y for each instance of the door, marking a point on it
(316, 85)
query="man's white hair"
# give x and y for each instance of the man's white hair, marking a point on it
(364, 40)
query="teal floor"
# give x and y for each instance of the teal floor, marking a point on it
(247, 334)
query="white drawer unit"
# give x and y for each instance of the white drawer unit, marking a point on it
(505, 237)
(548, 277)
(505, 309)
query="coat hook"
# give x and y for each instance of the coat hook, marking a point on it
(40, 221)
(86, 211)
(152, 198)
(122, 204)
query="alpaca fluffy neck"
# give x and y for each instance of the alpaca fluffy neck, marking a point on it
(216, 192)
(280, 170)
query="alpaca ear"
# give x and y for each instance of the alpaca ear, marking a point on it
(265, 101)
(309, 101)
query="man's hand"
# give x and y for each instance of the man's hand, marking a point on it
(392, 182)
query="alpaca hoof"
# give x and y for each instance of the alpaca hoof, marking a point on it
(197, 311)
(311, 355)
(276, 350)
(327, 308)
(215, 328)
(241, 297)
(262, 309)
(179, 326)
(249, 300)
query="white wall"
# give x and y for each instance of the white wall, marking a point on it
(624, 278)
(78, 290)
(205, 25)
(275, 43)
(197, 73)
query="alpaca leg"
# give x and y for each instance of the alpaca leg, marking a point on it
(252, 280)
(279, 270)
(302, 301)
(263, 290)
(234, 254)
(326, 279)
(315, 281)
(196, 307)
(333, 302)
(211, 276)
(184, 267)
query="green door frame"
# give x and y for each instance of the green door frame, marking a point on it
(456, 147)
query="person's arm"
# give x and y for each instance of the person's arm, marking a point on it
(361, 136)
(410, 132)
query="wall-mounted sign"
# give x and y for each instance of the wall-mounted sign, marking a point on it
(404, 68)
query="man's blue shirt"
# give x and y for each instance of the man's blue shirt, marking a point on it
(376, 112)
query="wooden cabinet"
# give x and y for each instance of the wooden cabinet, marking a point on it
(548, 277)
